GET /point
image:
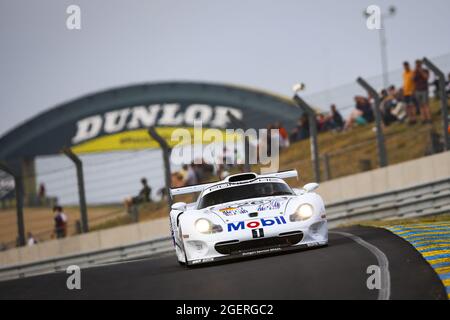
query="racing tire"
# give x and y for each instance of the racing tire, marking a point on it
(183, 250)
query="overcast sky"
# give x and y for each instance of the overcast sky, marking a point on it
(265, 44)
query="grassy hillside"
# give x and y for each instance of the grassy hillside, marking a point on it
(347, 151)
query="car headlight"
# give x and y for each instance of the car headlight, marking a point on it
(303, 212)
(203, 226)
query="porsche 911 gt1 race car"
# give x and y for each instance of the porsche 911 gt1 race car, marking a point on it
(246, 215)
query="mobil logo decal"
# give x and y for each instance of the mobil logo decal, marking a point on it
(254, 224)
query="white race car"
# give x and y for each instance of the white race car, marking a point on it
(246, 215)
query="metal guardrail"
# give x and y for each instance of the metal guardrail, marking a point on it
(417, 201)
(421, 200)
(88, 259)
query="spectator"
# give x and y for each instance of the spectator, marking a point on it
(177, 180)
(321, 123)
(408, 92)
(393, 93)
(184, 173)
(363, 104)
(436, 90)
(145, 193)
(421, 76)
(436, 84)
(335, 119)
(201, 170)
(60, 222)
(143, 196)
(31, 240)
(42, 194)
(388, 104)
(284, 136)
(304, 127)
(191, 178)
(301, 132)
(208, 169)
(399, 110)
(362, 114)
(383, 94)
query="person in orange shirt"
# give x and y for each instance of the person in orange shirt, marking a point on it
(408, 92)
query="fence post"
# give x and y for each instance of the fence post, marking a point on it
(312, 134)
(443, 98)
(326, 162)
(18, 184)
(81, 190)
(382, 156)
(135, 213)
(240, 124)
(166, 158)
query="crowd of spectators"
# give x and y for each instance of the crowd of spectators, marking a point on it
(404, 104)
(331, 121)
(192, 174)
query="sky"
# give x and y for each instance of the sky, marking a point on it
(260, 43)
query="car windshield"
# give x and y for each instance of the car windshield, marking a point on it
(248, 191)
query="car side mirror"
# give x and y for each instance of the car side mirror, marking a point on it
(179, 206)
(310, 187)
(298, 191)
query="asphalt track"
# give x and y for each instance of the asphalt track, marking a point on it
(338, 271)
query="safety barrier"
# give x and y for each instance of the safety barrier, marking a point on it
(421, 200)
(138, 250)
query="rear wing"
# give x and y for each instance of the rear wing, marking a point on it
(281, 175)
(191, 189)
(200, 187)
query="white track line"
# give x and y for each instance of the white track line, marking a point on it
(385, 291)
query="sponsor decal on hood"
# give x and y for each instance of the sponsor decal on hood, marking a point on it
(230, 211)
(270, 206)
